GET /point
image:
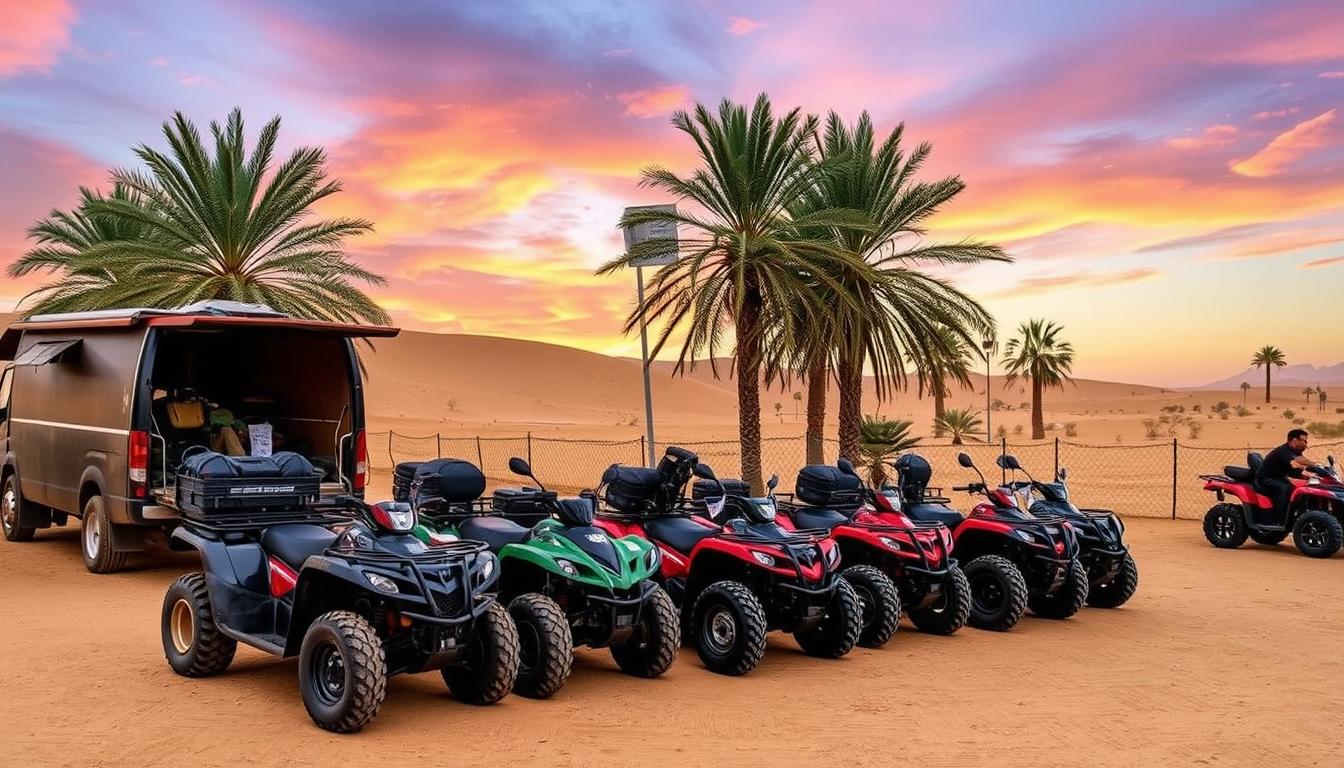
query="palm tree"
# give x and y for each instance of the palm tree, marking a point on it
(1320, 400)
(747, 264)
(934, 372)
(1245, 387)
(1308, 391)
(225, 225)
(899, 309)
(797, 398)
(880, 440)
(961, 423)
(1268, 357)
(1039, 354)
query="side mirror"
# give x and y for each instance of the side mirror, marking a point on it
(965, 461)
(773, 483)
(704, 472)
(1012, 462)
(520, 467)
(846, 466)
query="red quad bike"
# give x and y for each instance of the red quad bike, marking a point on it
(875, 536)
(1014, 559)
(737, 580)
(1314, 515)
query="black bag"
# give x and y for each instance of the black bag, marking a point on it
(292, 464)
(525, 506)
(402, 478)
(199, 461)
(448, 481)
(210, 483)
(708, 489)
(629, 488)
(822, 485)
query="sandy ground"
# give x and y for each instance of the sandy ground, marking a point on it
(1222, 658)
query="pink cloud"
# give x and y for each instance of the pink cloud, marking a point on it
(741, 26)
(1339, 75)
(1320, 263)
(33, 35)
(1213, 136)
(1046, 284)
(1285, 148)
(1272, 113)
(655, 102)
(159, 61)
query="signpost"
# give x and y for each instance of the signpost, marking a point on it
(635, 235)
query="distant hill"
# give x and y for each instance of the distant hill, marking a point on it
(1299, 375)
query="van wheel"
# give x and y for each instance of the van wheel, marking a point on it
(95, 539)
(11, 502)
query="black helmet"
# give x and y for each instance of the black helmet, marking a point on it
(915, 474)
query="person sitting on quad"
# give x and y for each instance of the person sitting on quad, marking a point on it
(1283, 463)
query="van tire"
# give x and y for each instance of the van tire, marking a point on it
(95, 539)
(11, 512)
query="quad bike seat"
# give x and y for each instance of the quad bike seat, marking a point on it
(296, 542)
(679, 533)
(934, 513)
(1240, 474)
(495, 531)
(824, 518)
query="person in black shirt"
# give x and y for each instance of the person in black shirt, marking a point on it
(1282, 463)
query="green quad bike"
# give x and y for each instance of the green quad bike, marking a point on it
(567, 583)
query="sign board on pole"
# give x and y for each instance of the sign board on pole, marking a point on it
(653, 230)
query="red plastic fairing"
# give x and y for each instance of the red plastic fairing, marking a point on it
(283, 578)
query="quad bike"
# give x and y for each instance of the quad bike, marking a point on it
(568, 583)
(874, 536)
(356, 597)
(1314, 514)
(1014, 559)
(1112, 574)
(738, 579)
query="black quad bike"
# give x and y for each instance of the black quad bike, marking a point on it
(738, 575)
(1112, 574)
(1013, 559)
(352, 593)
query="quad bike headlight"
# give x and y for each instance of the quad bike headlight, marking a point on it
(382, 583)
(567, 567)
(763, 559)
(1024, 535)
(487, 568)
(652, 558)
(832, 556)
(890, 542)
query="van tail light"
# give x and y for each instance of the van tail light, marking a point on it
(361, 478)
(137, 464)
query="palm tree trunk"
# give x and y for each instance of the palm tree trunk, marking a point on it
(816, 410)
(939, 408)
(850, 373)
(1037, 418)
(1266, 384)
(749, 390)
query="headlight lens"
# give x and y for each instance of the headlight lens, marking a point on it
(890, 542)
(763, 558)
(833, 555)
(652, 558)
(382, 583)
(1024, 535)
(487, 568)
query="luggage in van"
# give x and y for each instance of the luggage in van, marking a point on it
(525, 506)
(630, 488)
(442, 482)
(402, 477)
(210, 483)
(822, 485)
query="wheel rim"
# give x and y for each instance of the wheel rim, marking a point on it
(326, 672)
(720, 631)
(93, 535)
(9, 509)
(182, 626)
(529, 648)
(867, 605)
(1224, 526)
(1313, 534)
(988, 594)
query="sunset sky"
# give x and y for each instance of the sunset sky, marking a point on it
(1169, 176)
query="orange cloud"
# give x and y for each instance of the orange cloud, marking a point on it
(1276, 113)
(655, 102)
(1321, 263)
(1287, 243)
(1213, 136)
(740, 26)
(33, 34)
(1286, 147)
(1046, 284)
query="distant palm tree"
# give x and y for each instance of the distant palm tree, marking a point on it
(950, 359)
(1308, 391)
(880, 440)
(797, 398)
(746, 263)
(1245, 387)
(1039, 354)
(1268, 357)
(779, 411)
(899, 311)
(1320, 400)
(226, 226)
(961, 423)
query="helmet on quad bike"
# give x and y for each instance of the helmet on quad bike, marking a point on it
(915, 474)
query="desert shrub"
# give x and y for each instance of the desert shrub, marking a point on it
(1169, 408)
(1223, 415)
(1024, 406)
(1339, 410)
(1150, 430)
(1017, 429)
(1001, 432)
(1164, 420)
(1326, 429)
(1288, 413)
(1196, 407)
(1071, 429)
(1243, 410)
(1299, 421)
(1119, 439)
(1195, 429)
(1221, 406)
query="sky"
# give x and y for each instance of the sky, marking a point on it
(1169, 177)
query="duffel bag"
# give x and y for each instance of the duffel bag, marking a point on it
(822, 485)
(292, 464)
(453, 481)
(199, 461)
(628, 488)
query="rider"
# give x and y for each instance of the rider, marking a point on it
(1282, 463)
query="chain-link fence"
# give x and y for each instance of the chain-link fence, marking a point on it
(1148, 480)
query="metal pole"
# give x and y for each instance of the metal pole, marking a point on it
(989, 434)
(529, 447)
(1056, 457)
(438, 444)
(644, 358)
(1175, 454)
(480, 457)
(1003, 451)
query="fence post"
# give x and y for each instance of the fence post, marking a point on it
(643, 449)
(1003, 451)
(529, 447)
(390, 457)
(1056, 457)
(480, 457)
(438, 444)
(1175, 463)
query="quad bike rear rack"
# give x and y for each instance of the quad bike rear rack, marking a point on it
(246, 521)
